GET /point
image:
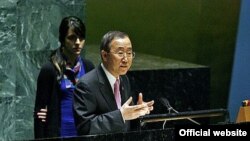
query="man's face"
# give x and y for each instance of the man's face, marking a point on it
(119, 59)
(73, 44)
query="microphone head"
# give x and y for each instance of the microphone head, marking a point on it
(165, 102)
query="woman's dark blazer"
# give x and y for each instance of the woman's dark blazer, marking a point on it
(95, 109)
(48, 94)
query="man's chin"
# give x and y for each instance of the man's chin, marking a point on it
(123, 72)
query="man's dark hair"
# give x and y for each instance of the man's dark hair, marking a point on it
(108, 37)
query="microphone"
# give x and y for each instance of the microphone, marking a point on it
(166, 103)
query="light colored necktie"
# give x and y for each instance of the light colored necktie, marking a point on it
(117, 93)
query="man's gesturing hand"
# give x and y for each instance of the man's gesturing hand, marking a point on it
(132, 112)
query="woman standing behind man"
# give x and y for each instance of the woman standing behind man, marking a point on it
(53, 116)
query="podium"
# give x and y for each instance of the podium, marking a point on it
(184, 115)
(147, 135)
(157, 121)
(167, 134)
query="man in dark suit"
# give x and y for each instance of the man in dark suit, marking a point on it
(98, 106)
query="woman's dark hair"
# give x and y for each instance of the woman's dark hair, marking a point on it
(67, 23)
(73, 23)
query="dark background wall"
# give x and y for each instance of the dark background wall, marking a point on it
(198, 31)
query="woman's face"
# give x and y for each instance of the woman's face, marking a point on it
(73, 44)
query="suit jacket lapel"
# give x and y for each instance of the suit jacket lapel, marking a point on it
(106, 90)
(124, 90)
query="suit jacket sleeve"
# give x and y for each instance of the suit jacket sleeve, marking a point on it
(93, 115)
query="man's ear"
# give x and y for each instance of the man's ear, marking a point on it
(104, 55)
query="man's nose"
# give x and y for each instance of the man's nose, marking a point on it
(125, 58)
